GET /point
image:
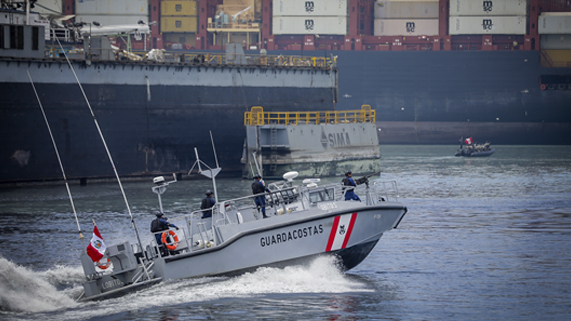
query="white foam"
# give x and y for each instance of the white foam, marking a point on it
(321, 276)
(23, 290)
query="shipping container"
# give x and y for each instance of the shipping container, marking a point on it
(232, 7)
(296, 8)
(310, 25)
(118, 7)
(186, 40)
(406, 9)
(555, 42)
(488, 7)
(178, 8)
(554, 23)
(179, 24)
(111, 20)
(511, 25)
(405, 27)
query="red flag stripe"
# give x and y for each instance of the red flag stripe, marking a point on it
(96, 231)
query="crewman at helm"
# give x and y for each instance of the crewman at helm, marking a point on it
(350, 193)
(158, 225)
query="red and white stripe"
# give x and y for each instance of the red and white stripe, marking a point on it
(341, 231)
(96, 248)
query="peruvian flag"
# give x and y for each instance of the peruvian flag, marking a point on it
(96, 248)
(469, 141)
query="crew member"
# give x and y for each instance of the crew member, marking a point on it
(161, 224)
(257, 188)
(207, 204)
(350, 193)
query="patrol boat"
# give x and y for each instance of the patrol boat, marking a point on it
(305, 221)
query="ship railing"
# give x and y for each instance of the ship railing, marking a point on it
(373, 192)
(213, 59)
(384, 191)
(184, 243)
(257, 116)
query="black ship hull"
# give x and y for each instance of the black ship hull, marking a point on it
(434, 97)
(149, 128)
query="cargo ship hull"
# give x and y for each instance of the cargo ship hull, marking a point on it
(436, 97)
(152, 116)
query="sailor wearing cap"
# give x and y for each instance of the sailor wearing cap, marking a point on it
(258, 187)
(350, 193)
(207, 204)
(158, 225)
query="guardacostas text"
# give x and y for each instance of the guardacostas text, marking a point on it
(291, 235)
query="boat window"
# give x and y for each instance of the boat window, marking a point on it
(326, 194)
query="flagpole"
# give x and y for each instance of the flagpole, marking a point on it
(57, 154)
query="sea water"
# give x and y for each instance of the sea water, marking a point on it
(483, 239)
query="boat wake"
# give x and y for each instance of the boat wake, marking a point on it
(24, 290)
(37, 295)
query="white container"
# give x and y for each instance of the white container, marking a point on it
(406, 9)
(111, 20)
(488, 7)
(405, 27)
(310, 25)
(331, 8)
(555, 42)
(118, 7)
(554, 23)
(512, 25)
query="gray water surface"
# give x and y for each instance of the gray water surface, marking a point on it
(484, 239)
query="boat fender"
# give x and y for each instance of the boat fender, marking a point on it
(239, 218)
(200, 245)
(164, 240)
(103, 265)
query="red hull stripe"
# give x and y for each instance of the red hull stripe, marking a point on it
(341, 231)
(332, 234)
(353, 218)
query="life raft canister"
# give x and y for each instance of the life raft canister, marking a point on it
(164, 240)
(103, 265)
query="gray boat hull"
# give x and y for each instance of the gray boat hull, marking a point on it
(251, 250)
(304, 222)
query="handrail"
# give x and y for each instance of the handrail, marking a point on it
(209, 59)
(256, 116)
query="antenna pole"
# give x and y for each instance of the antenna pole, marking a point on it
(214, 150)
(57, 154)
(104, 144)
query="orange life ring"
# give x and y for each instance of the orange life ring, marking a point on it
(164, 240)
(105, 265)
(543, 87)
(187, 47)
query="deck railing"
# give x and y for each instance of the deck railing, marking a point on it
(257, 116)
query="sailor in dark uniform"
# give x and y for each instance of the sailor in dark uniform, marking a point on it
(161, 224)
(350, 193)
(257, 188)
(207, 204)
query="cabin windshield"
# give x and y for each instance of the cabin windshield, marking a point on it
(322, 195)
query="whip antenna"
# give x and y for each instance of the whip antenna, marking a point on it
(104, 143)
(57, 154)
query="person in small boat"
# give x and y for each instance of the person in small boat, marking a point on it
(161, 224)
(349, 181)
(207, 204)
(257, 188)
